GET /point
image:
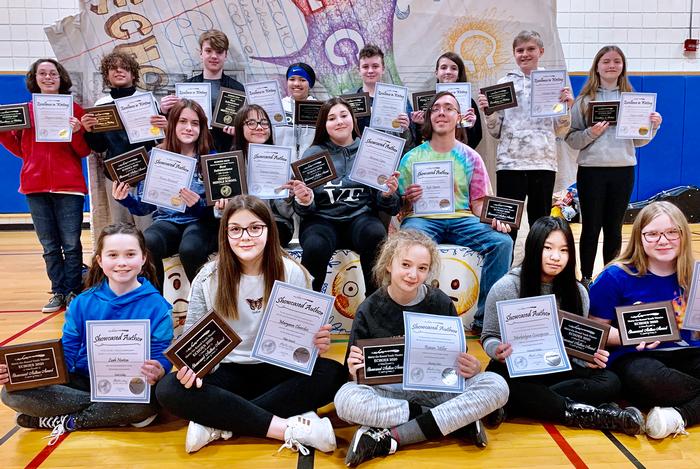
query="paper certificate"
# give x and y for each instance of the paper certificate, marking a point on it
(634, 120)
(389, 102)
(266, 94)
(531, 326)
(433, 344)
(200, 93)
(437, 181)
(167, 173)
(461, 91)
(691, 320)
(545, 93)
(135, 111)
(292, 317)
(269, 167)
(376, 159)
(52, 113)
(116, 351)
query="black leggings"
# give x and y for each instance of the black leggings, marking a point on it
(193, 241)
(320, 237)
(543, 397)
(663, 378)
(243, 398)
(536, 184)
(603, 194)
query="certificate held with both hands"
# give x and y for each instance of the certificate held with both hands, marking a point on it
(389, 102)
(436, 178)
(136, 111)
(292, 318)
(116, 352)
(52, 113)
(531, 327)
(634, 116)
(167, 173)
(269, 167)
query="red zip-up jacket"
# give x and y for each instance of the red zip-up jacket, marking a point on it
(48, 166)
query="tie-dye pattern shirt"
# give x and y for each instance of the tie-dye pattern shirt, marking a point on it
(471, 181)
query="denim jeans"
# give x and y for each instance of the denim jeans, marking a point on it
(495, 247)
(57, 221)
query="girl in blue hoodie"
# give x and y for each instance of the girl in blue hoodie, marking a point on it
(117, 288)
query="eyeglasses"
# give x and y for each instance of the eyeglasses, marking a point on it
(252, 124)
(655, 236)
(50, 74)
(254, 231)
(446, 109)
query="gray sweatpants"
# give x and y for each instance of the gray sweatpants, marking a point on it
(386, 406)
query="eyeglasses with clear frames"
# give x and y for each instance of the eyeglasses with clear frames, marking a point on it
(655, 236)
(252, 124)
(446, 109)
(254, 231)
(50, 74)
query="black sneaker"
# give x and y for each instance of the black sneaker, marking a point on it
(474, 433)
(368, 443)
(56, 302)
(58, 424)
(495, 418)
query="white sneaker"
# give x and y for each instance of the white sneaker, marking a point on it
(309, 430)
(664, 421)
(198, 436)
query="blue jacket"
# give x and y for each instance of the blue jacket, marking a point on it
(100, 303)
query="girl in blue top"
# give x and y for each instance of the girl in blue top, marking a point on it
(117, 287)
(656, 265)
(191, 234)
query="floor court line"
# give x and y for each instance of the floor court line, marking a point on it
(623, 449)
(45, 453)
(30, 327)
(9, 434)
(564, 445)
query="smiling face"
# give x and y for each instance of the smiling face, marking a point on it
(48, 78)
(339, 125)
(212, 60)
(298, 88)
(610, 67)
(187, 127)
(248, 249)
(371, 69)
(444, 115)
(527, 55)
(120, 77)
(409, 269)
(121, 260)
(447, 71)
(662, 252)
(555, 255)
(259, 134)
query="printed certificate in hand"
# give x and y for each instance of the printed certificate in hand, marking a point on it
(433, 344)
(52, 113)
(634, 116)
(269, 167)
(389, 102)
(691, 320)
(116, 351)
(531, 326)
(200, 93)
(461, 91)
(292, 317)
(266, 94)
(545, 93)
(136, 111)
(437, 181)
(376, 159)
(167, 173)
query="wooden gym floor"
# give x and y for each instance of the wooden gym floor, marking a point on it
(515, 444)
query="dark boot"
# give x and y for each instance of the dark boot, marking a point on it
(495, 418)
(473, 433)
(606, 417)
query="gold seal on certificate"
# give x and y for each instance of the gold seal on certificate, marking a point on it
(377, 156)
(266, 94)
(383, 361)
(499, 97)
(107, 118)
(129, 167)
(634, 117)
(227, 105)
(545, 93)
(389, 103)
(224, 175)
(647, 322)
(14, 117)
(52, 113)
(508, 211)
(167, 174)
(34, 365)
(135, 112)
(269, 168)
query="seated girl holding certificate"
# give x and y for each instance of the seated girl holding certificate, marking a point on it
(52, 181)
(567, 397)
(449, 68)
(391, 417)
(252, 125)
(192, 233)
(342, 213)
(243, 396)
(118, 287)
(656, 265)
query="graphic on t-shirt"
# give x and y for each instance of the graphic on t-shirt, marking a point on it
(255, 304)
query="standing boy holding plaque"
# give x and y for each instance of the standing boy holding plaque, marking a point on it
(656, 265)
(391, 416)
(526, 158)
(213, 50)
(471, 183)
(120, 72)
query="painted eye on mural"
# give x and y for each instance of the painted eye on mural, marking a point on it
(455, 284)
(350, 289)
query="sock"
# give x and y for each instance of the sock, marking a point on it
(422, 428)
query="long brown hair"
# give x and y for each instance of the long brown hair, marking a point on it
(65, 82)
(243, 114)
(590, 88)
(633, 259)
(96, 275)
(321, 137)
(229, 267)
(461, 71)
(171, 143)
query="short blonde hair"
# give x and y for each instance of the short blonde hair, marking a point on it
(395, 243)
(528, 35)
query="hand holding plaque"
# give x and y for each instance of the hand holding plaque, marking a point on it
(383, 359)
(508, 211)
(647, 322)
(227, 105)
(224, 175)
(14, 117)
(107, 118)
(315, 170)
(34, 365)
(582, 337)
(499, 97)
(129, 167)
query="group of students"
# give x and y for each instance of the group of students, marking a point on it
(245, 397)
